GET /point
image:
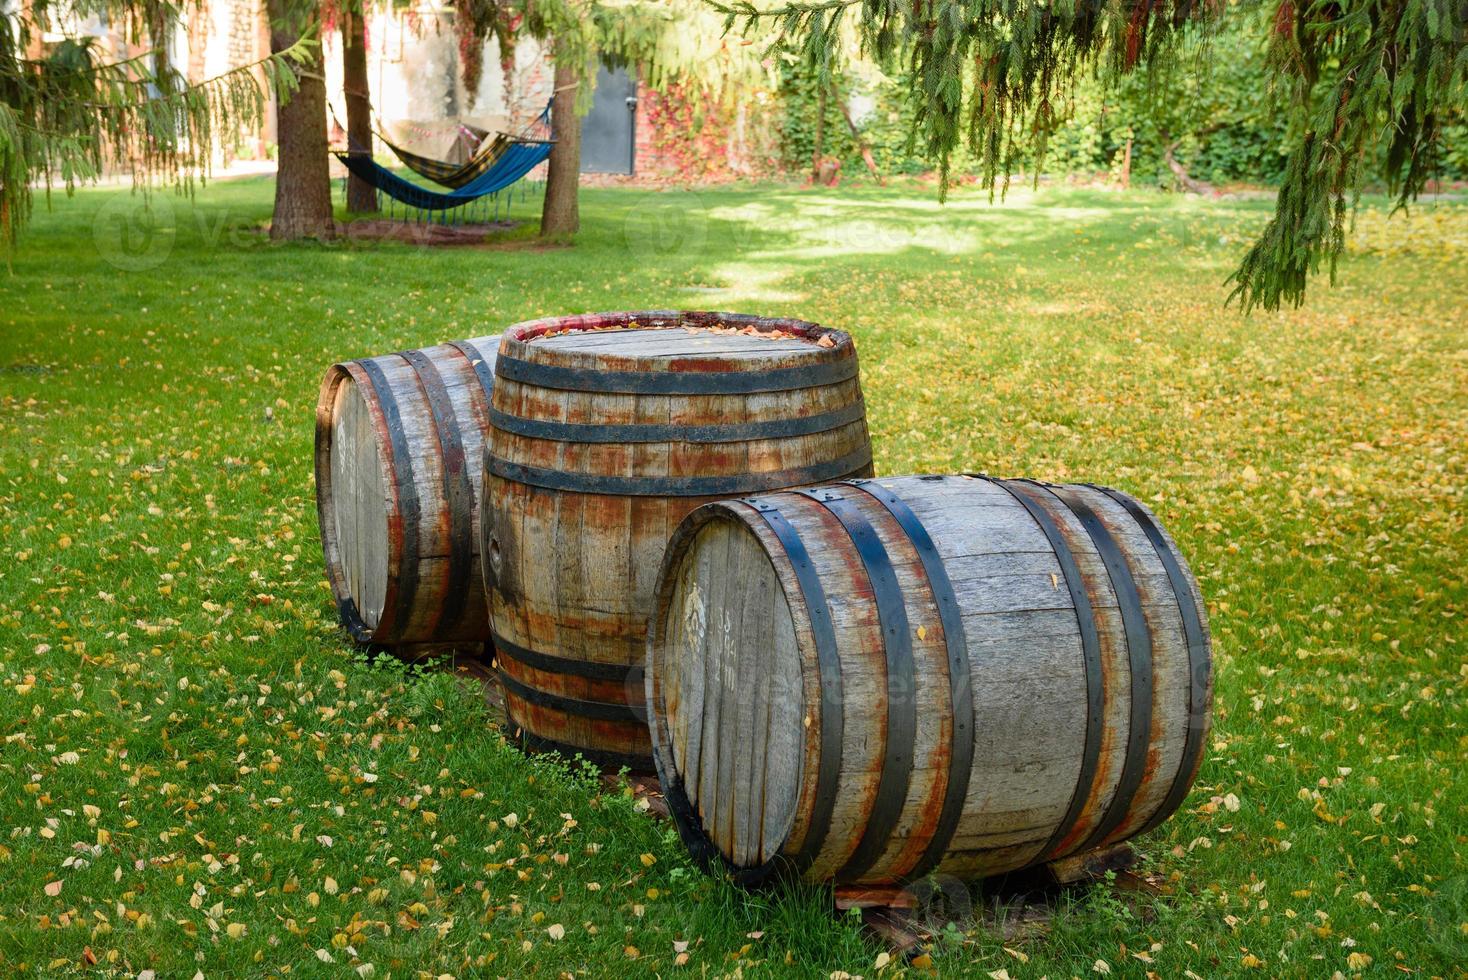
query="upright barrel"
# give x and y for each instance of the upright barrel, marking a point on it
(605, 431)
(867, 682)
(398, 444)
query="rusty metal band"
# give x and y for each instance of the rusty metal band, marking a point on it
(960, 677)
(1139, 659)
(595, 710)
(1070, 573)
(591, 432)
(828, 661)
(483, 366)
(458, 492)
(602, 758)
(405, 576)
(901, 729)
(1199, 661)
(825, 372)
(680, 486)
(591, 670)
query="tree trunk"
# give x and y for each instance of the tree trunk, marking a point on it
(1186, 181)
(302, 180)
(1126, 166)
(361, 197)
(561, 213)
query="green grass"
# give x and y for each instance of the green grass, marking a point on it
(218, 783)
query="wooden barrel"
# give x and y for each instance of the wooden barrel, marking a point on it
(398, 442)
(871, 681)
(606, 430)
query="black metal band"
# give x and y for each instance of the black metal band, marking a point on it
(892, 785)
(1139, 658)
(680, 486)
(601, 758)
(589, 432)
(1090, 655)
(458, 492)
(588, 669)
(595, 710)
(960, 677)
(825, 372)
(483, 367)
(1199, 660)
(409, 509)
(828, 661)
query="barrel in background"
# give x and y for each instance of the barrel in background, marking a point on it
(398, 444)
(868, 682)
(606, 430)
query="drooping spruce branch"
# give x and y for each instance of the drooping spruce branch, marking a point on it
(1368, 84)
(67, 115)
(1364, 84)
(983, 72)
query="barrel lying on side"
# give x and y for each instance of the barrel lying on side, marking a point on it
(607, 430)
(398, 442)
(871, 681)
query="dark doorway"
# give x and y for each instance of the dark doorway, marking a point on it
(609, 131)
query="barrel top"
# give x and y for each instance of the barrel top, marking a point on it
(671, 340)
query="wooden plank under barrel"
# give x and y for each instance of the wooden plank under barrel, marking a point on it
(868, 682)
(398, 444)
(607, 430)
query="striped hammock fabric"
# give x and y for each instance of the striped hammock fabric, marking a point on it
(458, 175)
(453, 175)
(517, 160)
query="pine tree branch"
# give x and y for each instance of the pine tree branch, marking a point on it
(296, 54)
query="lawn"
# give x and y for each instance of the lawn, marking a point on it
(199, 773)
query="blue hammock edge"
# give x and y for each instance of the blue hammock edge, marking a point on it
(513, 165)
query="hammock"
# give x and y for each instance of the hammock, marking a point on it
(454, 175)
(518, 159)
(457, 175)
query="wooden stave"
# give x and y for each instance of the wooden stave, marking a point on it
(1109, 503)
(449, 376)
(514, 607)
